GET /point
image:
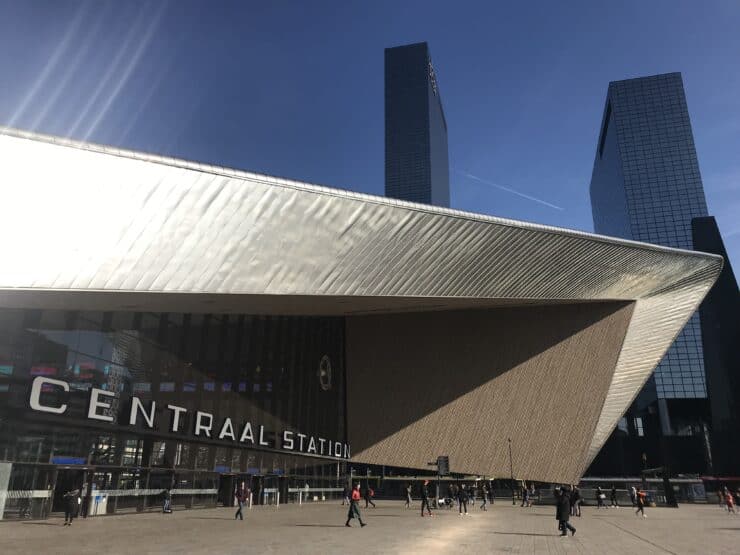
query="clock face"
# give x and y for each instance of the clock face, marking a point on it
(325, 373)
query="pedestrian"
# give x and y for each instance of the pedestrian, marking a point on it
(408, 496)
(354, 507)
(166, 502)
(345, 495)
(532, 492)
(720, 498)
(640, 499)
(575, 502)
(613, 498)
(600, 496)
(241, 498)
(462, 499)
(425, 498)
(525, 496)
(633, 495)
(484, 495)
(369, 493)
(562, 513)
(493, 495)
(730, 502)
(70, 506)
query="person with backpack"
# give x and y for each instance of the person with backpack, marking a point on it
(354, 508)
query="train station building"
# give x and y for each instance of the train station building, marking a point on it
(166, 324)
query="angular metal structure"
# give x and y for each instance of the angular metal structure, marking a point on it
(99, 228)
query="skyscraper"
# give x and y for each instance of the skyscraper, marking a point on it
(646, 186)
(416, 162)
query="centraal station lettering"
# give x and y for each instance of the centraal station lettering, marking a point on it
(203, 425)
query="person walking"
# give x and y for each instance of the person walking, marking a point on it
(484, 495)
(354, 508)
(166, 502)
(241, 498)
(462, 499)
(408, 496)
(369, 493)
(525, 496)
(613, 498)
(641, 503)
(730, 500)
(70, 506)
(633, 495)
(345, 495)
(425, 498)
(600, 496)
(562, 513)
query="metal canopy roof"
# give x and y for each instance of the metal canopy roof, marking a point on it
(111, 229)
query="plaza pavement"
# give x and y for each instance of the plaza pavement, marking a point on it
(319, 528)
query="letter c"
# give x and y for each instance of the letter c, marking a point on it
(35, 401)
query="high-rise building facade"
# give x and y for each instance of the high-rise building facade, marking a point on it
(416, 161)
(646, 186)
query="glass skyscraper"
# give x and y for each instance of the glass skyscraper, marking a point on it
(646, 186)
(416, 162)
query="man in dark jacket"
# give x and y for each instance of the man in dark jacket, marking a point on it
(241, 498)
(562, 513)
(70, 506)
(462, 498)
(425, 498)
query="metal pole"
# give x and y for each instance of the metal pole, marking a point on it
(511, 469)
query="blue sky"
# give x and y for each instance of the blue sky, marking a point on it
(296, 88)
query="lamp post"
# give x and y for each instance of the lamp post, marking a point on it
(511, 469)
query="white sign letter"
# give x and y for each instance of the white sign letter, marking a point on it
(95, 404)
(288, 440)
(227, 430)
(247, 434)
(136, 407)
(35, 401)
(199, 416)
(176, 416)
(262, 436)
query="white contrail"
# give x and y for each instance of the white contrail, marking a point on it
(507, 189)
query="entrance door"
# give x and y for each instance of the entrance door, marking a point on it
(226, 488)
(67, 479)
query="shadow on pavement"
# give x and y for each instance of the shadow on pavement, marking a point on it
(525, 534)
(323, 525)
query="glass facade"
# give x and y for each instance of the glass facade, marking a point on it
(416, 157)
(123, 405)
(646, 186)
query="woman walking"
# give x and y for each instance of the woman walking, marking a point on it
(354, 507)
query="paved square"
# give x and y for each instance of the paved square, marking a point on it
(319, 528)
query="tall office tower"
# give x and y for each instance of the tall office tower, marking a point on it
(646, 186)
(720, 332)
(416, 162)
